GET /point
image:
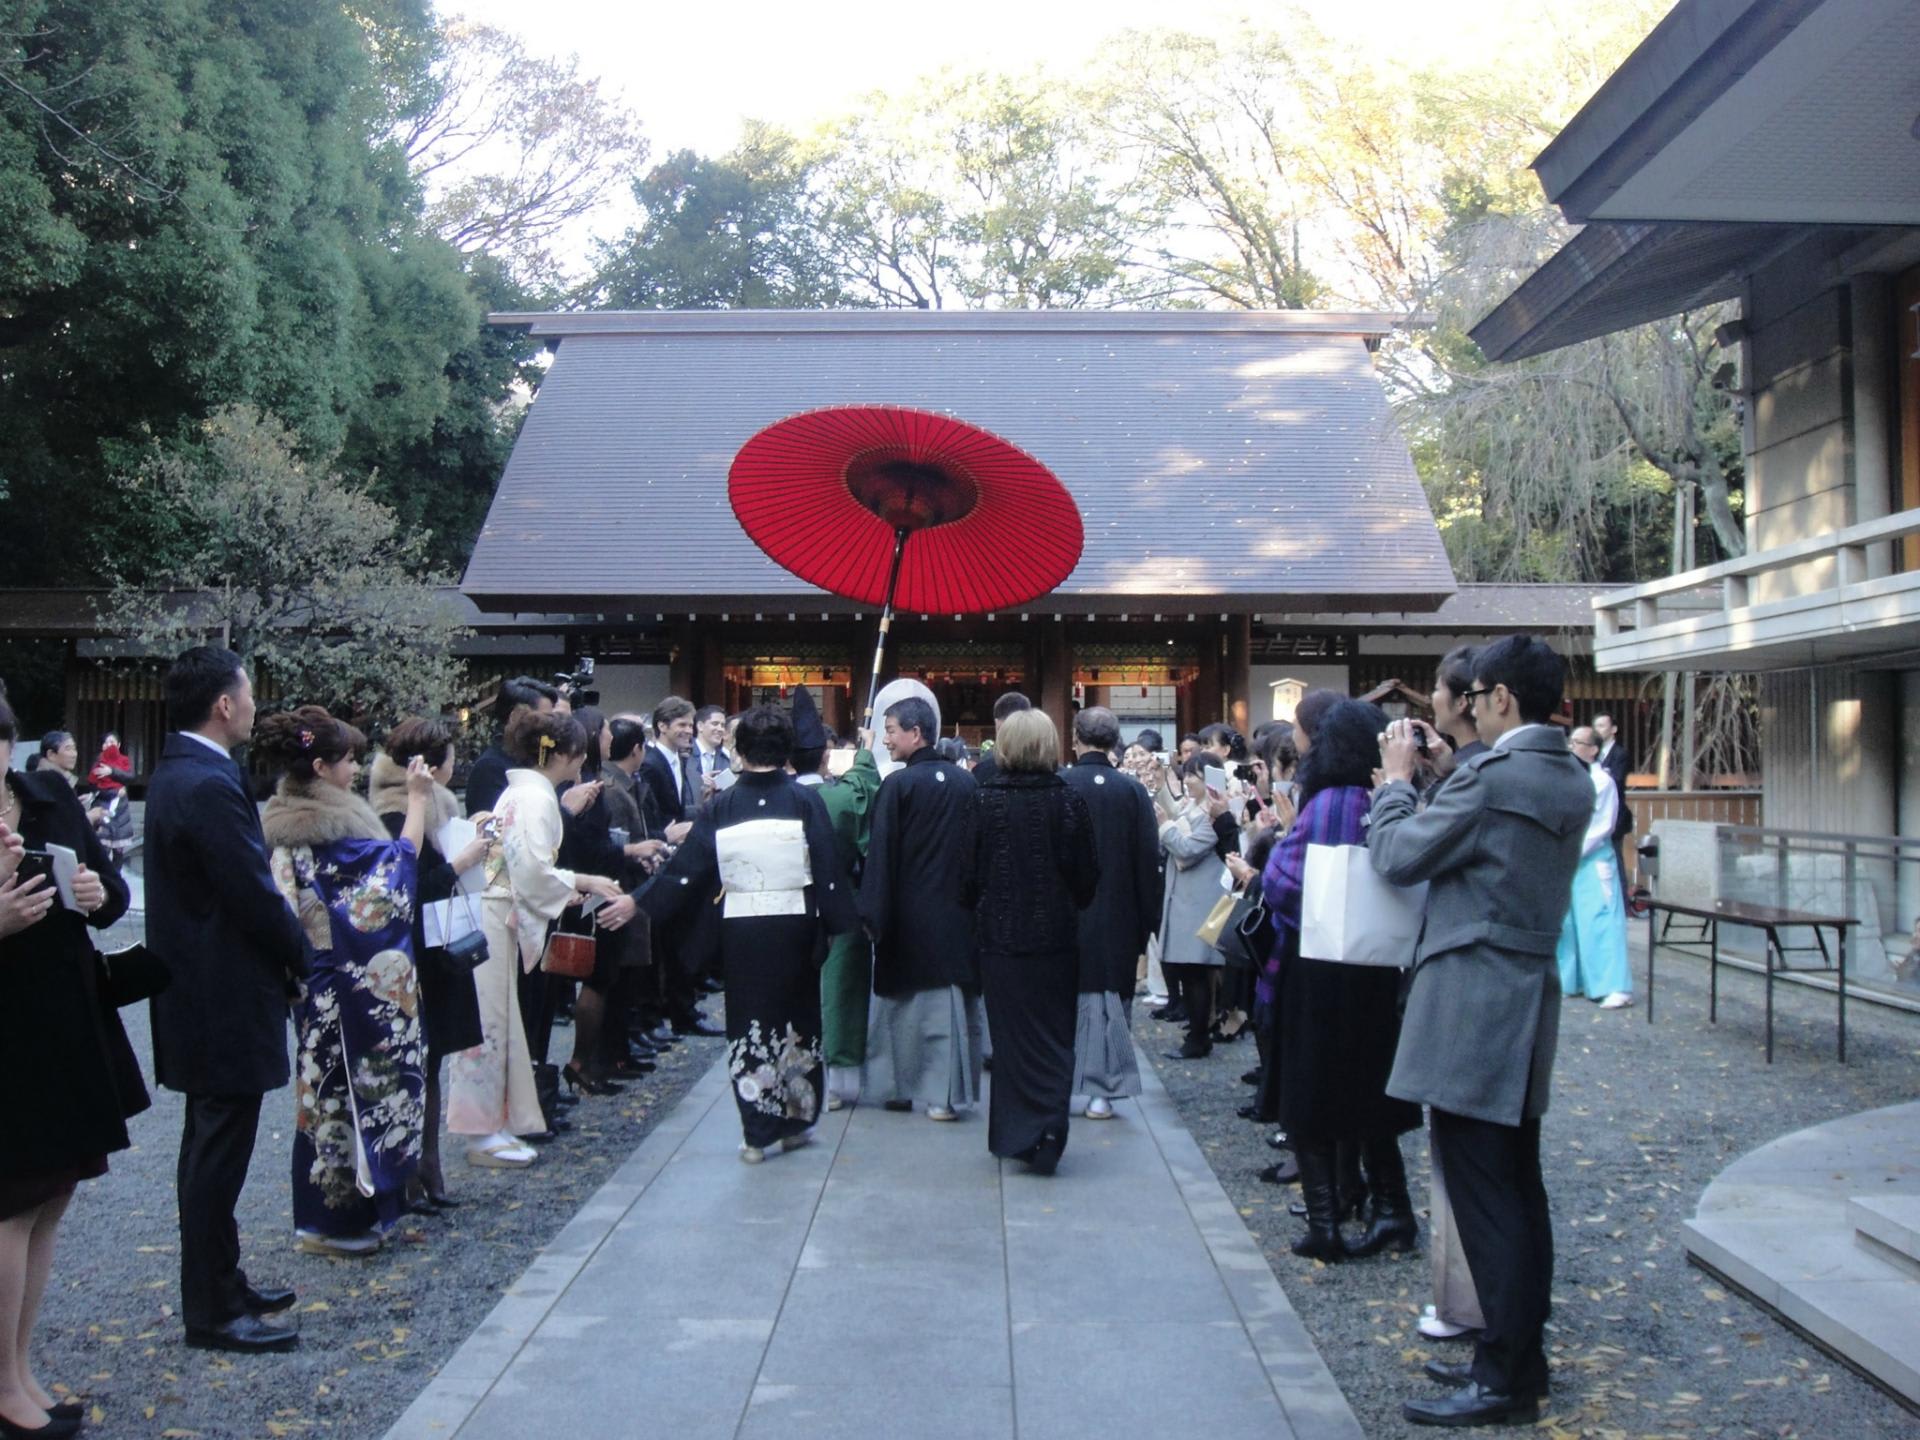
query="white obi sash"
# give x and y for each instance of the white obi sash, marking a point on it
(764, 868)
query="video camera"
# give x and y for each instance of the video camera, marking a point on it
(578, 685)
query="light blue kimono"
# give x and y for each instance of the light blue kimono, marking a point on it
(1593, 937)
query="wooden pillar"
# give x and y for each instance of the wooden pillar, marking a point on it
(684, 670)
(1208, 708)
(711, 677)
(1099, 695)
(1052, 688)
(1239, 672)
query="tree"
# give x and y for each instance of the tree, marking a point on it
(512, 148)
(291, 564)
(737, 232)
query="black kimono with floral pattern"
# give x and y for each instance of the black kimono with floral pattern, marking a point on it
(773, 938)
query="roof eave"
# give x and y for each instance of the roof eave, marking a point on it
(1362, 324)
(1691, 58)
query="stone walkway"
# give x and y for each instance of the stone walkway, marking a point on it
(894, 1279)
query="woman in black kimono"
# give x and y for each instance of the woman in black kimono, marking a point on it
(764, 852)
(1033, 869)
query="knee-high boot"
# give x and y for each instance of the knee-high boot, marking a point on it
(1391, 1225)
(1349, 1186)
(1322, 1240)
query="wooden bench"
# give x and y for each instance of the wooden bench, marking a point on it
(1770, 920)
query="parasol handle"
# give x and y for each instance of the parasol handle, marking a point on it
(886, 624)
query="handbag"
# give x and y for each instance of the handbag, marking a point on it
(1350, 914)
(1215, 925)
(571, 956)
(1250, 940)
(468, 952)
(131, 975)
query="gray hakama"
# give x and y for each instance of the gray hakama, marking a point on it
(925, 1046)
(1104, 1065)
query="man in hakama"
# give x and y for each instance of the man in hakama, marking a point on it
(925, 1039)
(763, 852)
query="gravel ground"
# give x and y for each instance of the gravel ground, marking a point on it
(1642, 1343)
(373, 1331)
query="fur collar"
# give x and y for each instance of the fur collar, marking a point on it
(308, 812)
(387, 790)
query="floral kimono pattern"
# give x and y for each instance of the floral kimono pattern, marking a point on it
(776, 1075)
(358, 1081)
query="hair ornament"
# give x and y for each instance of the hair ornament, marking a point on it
(306, 741)
(546, 744)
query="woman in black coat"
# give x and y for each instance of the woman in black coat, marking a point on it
(1034, 868)
(65, 1066)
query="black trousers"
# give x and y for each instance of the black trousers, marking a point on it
(1500, 1208)
(216, 1146)
(1193, 986)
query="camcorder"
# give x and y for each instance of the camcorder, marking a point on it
(578, 685)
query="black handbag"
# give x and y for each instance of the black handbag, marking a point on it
(467, 953)
(1249, 937)
(131, 975)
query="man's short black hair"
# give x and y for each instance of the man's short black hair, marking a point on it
(1150, 740)
(628, 736)
(764, 737)
(913, 713)
(1009, 704)
(521, 690)
(194, 681)
(1097, 727)
(706, 713)
(1534, 675)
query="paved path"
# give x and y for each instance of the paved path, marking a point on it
(894, 1279)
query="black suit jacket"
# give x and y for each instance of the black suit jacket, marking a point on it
(662, 783)
(216, 919)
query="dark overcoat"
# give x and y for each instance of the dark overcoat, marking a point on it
(911, 892)
(65, 1063)
(1498, 844)
(1115, 928)
(219, 924)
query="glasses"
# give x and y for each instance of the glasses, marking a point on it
(1472, 695)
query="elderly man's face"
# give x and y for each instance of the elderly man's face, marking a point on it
(1582, 742)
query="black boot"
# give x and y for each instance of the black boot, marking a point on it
(1322, 1240)
(1391, 1225)
(1349, 1187)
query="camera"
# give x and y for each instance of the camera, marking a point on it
(1241, 771)
(578, 685)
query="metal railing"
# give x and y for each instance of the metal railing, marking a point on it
(1874, 878)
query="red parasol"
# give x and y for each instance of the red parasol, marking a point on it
(833, 496)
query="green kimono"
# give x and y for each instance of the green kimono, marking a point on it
(846, 981)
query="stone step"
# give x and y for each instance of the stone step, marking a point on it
(1888, 1228)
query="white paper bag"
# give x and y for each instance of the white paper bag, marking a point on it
(1348, 913)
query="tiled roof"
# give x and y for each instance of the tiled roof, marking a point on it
(1228, 461)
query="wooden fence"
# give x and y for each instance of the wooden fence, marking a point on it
(1718, 807)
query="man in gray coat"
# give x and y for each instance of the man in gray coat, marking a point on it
(1498, 845)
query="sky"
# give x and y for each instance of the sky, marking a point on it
(693, 71)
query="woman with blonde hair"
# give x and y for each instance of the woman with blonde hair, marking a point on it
(492, 1099)
(1033, 870)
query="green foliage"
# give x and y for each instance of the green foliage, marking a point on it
(291, 564)
(202, 208)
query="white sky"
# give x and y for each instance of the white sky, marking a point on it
(693, 70)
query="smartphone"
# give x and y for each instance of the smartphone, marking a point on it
(1216, 782)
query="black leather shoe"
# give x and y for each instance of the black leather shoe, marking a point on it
(1248, 1112)
(56, 1428)
(68, 1410)
(1279, 1141)
(1191, 1051)
(247, 1334)
(1252, 1077)
(268, 1302)
(1452, 1373)
(1473, 1404)
(897, 1106)
(1283, 1172)
(539, 1137)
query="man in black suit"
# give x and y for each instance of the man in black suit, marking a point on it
(670, 776)
(234, 950)
(1011, 703)
(488, 777)
(1614, 760)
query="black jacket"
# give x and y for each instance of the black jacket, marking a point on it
(662, 784)
(1032, 867)
(917, 867)
(487, 779)
(221, 927)
(1615, 763)
(65, 1063)
(1115, 928)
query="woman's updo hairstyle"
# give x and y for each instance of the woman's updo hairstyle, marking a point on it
(430, 739)
(297, 740)
(533, 738)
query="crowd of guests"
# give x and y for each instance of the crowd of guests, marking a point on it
(885, 922)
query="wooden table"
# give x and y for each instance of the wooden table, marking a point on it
(1769, 919)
